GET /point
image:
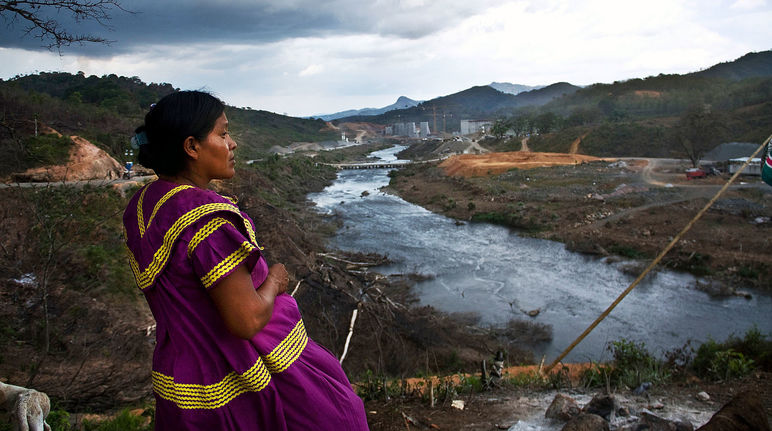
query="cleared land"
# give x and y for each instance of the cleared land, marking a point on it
(631, 208)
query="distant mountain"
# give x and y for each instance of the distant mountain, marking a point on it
(401, 103)
(476, 103)
(752, 65)
(506, 87)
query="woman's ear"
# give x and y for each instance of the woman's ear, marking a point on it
(190, 145)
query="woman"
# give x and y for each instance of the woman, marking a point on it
(231, 350)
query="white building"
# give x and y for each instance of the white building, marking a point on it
(469, 127)
(754, 168)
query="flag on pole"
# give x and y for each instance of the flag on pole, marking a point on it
(766, 164)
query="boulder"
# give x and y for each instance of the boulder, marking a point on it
(601, 405)
(656, 423)
(563, 408)
(586, 422)
(744, 412)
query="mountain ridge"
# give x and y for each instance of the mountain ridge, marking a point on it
(401, 103)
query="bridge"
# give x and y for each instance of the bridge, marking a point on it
(374, 165)
(381, 165)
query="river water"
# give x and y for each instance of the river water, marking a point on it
(492, 271)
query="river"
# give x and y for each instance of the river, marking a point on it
(492, 271)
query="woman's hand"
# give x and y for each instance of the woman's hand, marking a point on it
(277, 275)
(244, 309)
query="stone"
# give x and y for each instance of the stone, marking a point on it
(601, 405)
(744, 412)
(563, 408)
(27, 408)
(656, 423)
(703, 396)
(586, 422)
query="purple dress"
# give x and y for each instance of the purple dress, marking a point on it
(182, 241)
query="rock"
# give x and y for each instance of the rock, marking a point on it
(586, 422)
(27, 408)
(656, 405)
(703, 396)
(563, 408)
(642, 388)
(744, 412)
(656, 423)
(601, 405)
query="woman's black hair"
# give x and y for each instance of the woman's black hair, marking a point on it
(170, 122)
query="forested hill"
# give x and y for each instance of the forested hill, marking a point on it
(481, 102)
(657, 115)
(105, 110)
(752, 65)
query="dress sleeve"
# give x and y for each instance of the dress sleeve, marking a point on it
(218, 246)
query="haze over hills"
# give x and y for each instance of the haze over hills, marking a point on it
(506, 87)
(401, 103)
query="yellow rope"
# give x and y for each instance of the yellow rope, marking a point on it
(654, 262)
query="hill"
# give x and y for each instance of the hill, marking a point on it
(401, 103)
(652, 116)
(506, 87)
(105, 110)
(751, 65)
(480, 102)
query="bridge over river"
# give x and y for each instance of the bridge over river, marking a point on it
(380, 165)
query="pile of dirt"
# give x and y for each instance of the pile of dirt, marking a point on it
(86, 162)
(472, 165)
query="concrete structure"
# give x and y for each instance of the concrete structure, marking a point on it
(469, 127)
(754, 168)
(424, 129)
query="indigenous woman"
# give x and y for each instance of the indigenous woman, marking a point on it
(231, 349)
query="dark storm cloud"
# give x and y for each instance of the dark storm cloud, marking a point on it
(166, 22)
(153, 22)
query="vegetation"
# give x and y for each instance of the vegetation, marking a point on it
(105, 110)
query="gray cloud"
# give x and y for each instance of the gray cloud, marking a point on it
(172, 22)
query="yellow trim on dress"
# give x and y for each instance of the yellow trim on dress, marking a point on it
(288, 351)
(145, 278)
(194, 396)
(227, 264)
(140, 217)
(205, 231)
(163, 199)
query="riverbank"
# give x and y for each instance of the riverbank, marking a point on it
(612, 208)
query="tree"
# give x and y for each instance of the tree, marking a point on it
(37, 16)
(500, 128)
(698, 131)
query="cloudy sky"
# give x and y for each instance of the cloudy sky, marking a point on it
(306, 57)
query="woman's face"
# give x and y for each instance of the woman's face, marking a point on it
(216, 159)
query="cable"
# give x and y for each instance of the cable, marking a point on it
(654, 262)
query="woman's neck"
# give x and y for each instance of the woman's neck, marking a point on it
(186, 178)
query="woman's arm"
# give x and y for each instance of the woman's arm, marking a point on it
(244, 309)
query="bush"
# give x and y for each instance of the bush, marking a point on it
(633, 364)
(734, 358)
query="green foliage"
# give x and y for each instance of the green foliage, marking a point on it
(125, 421)
(59, 420)
(47, 150)
(633, 364)
(378, 387)
(736, 357)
